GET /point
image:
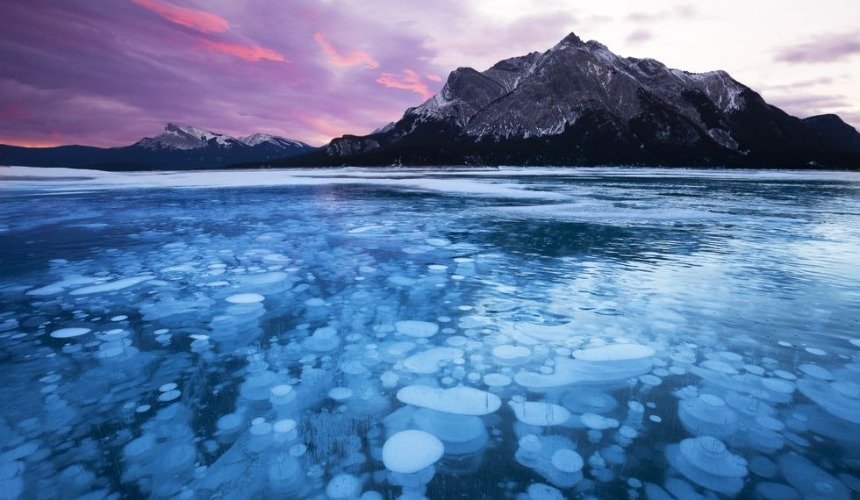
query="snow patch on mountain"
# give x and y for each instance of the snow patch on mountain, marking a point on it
(258, 139)
(185, 137)
(385, 128)
(541, 94)
(188, 137)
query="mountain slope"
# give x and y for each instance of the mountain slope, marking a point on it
(176, 147)
(842, 136)
(580, 104)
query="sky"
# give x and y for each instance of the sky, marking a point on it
(108, 72)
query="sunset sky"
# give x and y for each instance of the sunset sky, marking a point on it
(108, 72)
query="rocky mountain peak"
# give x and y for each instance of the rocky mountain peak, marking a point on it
(580, 102)
(571, 39)
(272, 141)
(176, 146)
(184, 137)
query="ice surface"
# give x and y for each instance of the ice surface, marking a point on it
(497, 380)
(597, 422)
(460, 400)
(553, 457)
(430, 361)
(539, 413)
(567, 460)
(652, 333)
(608, 364)
(70, 179)
(540, 491)
(60, 286)
(810, 480)
(67, 333)
(706, 461)
(614, 353)
(111, 286)
(707, 414)
(511, 354)
(408, 452)
(245, 298)
(461, 434)
(420, 329)
(343, 486)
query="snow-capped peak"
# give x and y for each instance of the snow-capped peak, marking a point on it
(186, 137)
(583, 77)
(258, 138)
(255, 139)
(571, 39)
(199, 134)
(385, 128)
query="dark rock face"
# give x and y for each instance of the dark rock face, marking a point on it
(176, 147)
(580, 104)
(840, 135)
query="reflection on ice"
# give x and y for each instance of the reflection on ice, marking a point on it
(351, 335)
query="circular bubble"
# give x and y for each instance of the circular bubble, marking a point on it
(407, 452)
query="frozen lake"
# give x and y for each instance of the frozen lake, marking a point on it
(498, 333)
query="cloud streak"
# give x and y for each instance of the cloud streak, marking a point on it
(639, 36)
(812, 104)
(687, 11)
(107, 72)
(824, 49)
(801, 84)
(251, 53)
(407, 80)
(210, 24)
(335, 57)
(198, 20)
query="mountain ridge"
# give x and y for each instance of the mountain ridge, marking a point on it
(176, 147)
(578, 103)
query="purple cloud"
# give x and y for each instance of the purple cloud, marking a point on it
(816, 100)
(801, 84)
(407, 80)
(687, 11)
(852, 117)
(809, 104)
(639, 36)
(353, 58)
(106, 73)
(195, 19)
(824, 49)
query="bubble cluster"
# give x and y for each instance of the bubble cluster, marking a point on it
(323, 341)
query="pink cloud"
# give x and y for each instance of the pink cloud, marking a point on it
(433, 77)
(198, 20)
(247, 52)
(407, 80)
(164, 72)
(39, 142)
(14, 112)
(337, 58)
(325, 127)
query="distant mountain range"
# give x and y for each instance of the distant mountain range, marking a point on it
(575, 104)
(176, 147)
(580, 104)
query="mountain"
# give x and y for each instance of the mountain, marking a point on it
(843, 137)
(186, 138)
(580, 104)
(176, 147)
